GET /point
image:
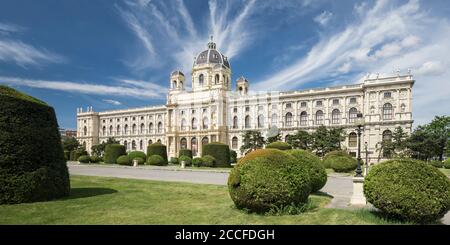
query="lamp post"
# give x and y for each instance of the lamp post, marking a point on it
(367, 157)
(359, 122)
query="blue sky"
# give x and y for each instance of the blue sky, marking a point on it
(118, 54)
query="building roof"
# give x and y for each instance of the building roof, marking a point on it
(212, 56)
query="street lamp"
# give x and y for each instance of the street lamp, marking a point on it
(367, 157)
(359, 123)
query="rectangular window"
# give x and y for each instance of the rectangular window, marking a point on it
(335, 102)
(352, 100)
(387, 95)
(319, 103)
(303, 104)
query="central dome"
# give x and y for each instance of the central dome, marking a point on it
(212, 56)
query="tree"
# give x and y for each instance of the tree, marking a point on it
(336, 137)
(439, 128)
(252, 140)
(300, 140)
(70, 144)
(325, 140)
(399, 142)
(273, 139)
(100, 148)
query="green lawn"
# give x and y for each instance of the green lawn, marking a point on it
(99, 200)
(445, 171)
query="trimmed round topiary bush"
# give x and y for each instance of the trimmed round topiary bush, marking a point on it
(156, 160)
(408, 190)
(316, 170)
(134, 154)
(173, 160)
(197, 162)
(185, 152)
(157, 149)
(437, 164)
(84, 159)
(78, 153)
(269, 178)
(279, 145)
(233, 156)
(340, 161)
(208, 161)
(113, 151)
(32, 164)
(447, 164)
(220, 151)
(187, 160)
(124, 160)
(95, 159)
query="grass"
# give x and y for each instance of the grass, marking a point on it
(445, 171)
(100, 200)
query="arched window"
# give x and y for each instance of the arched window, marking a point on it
(194, 146)
(118, 130)
(150, 128)
(235, 122)
(133, 145)
(288, 119)
(110, 130)
(183, 143)
(141, 130)
(260, 121)
(159, 141)
(160, 128)
(183, 124)
(247, 121)
(150, 142)
(303, 118)
(319, 117)
(335, 116)
(205, 123)
(274, 119)
(352, 114)
(125, 143)
(403, 108)
(141, 145)
(194, 124)
(387, 111)
(85, 131)
(104, 130)
(126, 129)
(216, 79)
(174, 84)
(234, 143)
(134, 128)
(201, 78)
(352, 139)
(205, 140)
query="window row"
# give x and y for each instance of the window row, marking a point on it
(201, 79)
(159, 117)
(126, 130)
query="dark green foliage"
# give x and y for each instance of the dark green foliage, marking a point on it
(67, 155)
(95, 159)
(99, 149)
(187, 160)
(124, 160)
(78, 153)
(447, 163)
(173, 160)
(84, 159)
(156, 160)
(70, 144)
(220, 151)
(140, 160)
(316, 170)
(437, 164)
(72, 156)
(325, 140)
(32, 164)
(273, 139)
(300, 140)
(134, 154)
(208, 161)
(113, 151)
(279, 145)
(157, 149)
(340, 161)
(197, 162)
(268, 178)
(185, 152)
(233, 156)
(409, 190)
(251, 140)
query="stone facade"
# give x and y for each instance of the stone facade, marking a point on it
(211, 111)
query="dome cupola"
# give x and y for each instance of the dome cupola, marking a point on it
(212, 56)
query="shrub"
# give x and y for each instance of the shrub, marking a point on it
(95, 159)
(208, 161)
(197, 162)
(113, 151)
(67, 155)
(340, 161)
(124, 160)
(157, 149)
(447, 164)
(140, 160)
(279, 145)
(134, 154)
(186, 159)
(220, 151)
(156, 160)
(437, 164)
(233, 156)
(185, 152)
(78, 153)
(32, 164)
(409, 190)
(173, 160)
(317, 172)
(84, 159)
(268, 178)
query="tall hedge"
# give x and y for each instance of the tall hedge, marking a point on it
(112, 152)
(233, 156)
(185, 152)
(157, 149)
(220, 151)
(32, 164)
(135, 154)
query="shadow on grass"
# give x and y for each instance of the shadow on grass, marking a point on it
(76, 193)
(322, 194)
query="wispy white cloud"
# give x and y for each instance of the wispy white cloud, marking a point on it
(323, 18)
(112, 102)
(7, 28)
(126, 89)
